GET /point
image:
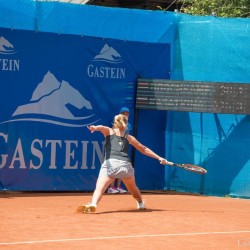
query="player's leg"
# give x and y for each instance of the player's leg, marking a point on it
(118, 182)
(119, 187)
(101, 185)
(134, 190)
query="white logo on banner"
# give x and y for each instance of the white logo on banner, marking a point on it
(6, 64)
(107, 55)
(50, 100)
(6, 47)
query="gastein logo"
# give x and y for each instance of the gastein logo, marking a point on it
(51, 102)
(100, 66)
(7, 49)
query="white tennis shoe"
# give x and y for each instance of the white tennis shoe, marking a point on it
(140, 205)
(112, 190)
(121, 190)
(89, 208)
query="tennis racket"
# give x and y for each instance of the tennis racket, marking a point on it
(189, 167)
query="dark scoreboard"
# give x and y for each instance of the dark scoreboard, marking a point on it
(192, 96)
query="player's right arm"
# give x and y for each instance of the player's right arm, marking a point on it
(103, 129)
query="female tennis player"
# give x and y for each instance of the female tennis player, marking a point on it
(116, 161)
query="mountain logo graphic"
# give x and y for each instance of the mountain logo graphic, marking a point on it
(6, 47)
(52, 102)
(108, 54)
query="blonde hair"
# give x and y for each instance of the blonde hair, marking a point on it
(120, 121)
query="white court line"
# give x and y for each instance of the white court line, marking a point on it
(119, 237)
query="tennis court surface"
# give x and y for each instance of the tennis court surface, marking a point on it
(172, 221)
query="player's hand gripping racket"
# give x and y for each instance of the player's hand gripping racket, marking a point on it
(188, 167)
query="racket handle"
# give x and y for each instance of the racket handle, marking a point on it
(165, 162)
(170, 163)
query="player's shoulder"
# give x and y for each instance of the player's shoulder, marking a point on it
(107, 131)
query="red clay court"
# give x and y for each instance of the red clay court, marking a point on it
(172, 221)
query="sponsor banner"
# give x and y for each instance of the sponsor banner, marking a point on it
(52, 87)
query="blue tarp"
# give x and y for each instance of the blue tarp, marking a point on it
(216, 50)
(88, 20)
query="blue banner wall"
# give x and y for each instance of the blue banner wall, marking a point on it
(52, 87)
